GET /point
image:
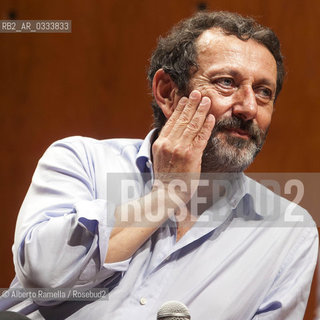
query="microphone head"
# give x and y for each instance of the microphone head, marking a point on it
(173, 310)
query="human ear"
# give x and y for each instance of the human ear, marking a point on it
(164, 92)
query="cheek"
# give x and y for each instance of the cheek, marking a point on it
(264, 119)
(220, 105)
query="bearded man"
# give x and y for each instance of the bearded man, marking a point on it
(197, 229)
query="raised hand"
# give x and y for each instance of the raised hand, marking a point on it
(177, 152)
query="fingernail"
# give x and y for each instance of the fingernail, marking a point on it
(205, 100)
(183, 100)
(194, 94)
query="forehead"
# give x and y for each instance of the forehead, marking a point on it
(216, 49)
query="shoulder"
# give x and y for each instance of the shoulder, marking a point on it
(79, 156)
(87, 143)
(84, 147)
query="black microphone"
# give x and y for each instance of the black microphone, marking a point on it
(9, 315)
(173, 310)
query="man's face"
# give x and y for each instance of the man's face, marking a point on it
(239, 77)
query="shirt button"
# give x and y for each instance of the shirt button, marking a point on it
(143, 301)
(148, 164)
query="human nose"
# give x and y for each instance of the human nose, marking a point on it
(245, 106)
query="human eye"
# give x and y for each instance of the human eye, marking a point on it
(225, 82)
(264, 93)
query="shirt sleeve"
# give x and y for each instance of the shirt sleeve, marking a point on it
(62, 229)
(288, 296)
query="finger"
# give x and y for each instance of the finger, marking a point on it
(201, 140)
(174, 117)
(186, 115)
(197, 121)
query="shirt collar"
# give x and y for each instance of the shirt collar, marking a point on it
(220, 214)
(259, 201)
(225, 204)
(237, 190)
(143, 159)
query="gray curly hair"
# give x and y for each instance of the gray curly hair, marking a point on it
(176, 53)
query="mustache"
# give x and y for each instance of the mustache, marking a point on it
(233, 123)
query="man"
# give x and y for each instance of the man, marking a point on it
(221, 245)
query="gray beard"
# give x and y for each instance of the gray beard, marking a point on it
(226, 153)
